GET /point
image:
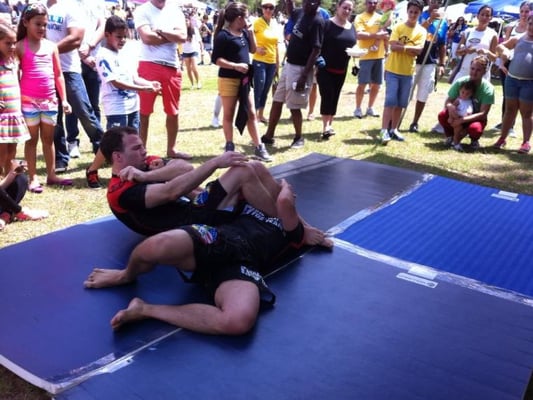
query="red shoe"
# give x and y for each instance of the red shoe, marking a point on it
(27, 214)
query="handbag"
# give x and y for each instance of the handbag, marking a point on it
(355, 70)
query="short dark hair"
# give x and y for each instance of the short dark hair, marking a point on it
(415, 3)
(113, 140)
(115, 23)
(469, 85)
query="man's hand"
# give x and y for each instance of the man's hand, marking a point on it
(131, 174)
(230, 159)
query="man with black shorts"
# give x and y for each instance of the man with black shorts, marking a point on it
(227, 260)
(152, 201)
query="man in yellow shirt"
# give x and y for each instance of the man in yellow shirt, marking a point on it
(368, 28)
(406, 43)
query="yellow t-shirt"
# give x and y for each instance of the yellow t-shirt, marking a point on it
(399, 62)
(266, 36)
(369, 23)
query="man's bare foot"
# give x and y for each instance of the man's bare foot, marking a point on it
(315, 237)
(101, 278)
(130, 314)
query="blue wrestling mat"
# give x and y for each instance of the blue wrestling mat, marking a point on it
(468, 230)
(346, 325)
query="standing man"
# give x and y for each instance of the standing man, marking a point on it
(296, 77)
(434, 54)
(368, 28)
(161, 26)
(93, 12)
(66, 28)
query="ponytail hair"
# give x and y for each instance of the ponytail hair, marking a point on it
(232, 11)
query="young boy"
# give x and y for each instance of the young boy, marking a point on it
(119, 88)
(461, 107)
(406, 43)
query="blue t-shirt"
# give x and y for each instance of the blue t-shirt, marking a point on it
(440, 40)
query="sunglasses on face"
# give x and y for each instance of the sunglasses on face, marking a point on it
(267, 7)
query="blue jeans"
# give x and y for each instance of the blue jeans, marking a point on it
(81, 106)
(263, 77)
(131, 120)
(92, 87)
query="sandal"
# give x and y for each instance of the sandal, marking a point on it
(36, 188)
(60, 182)
(27, 214)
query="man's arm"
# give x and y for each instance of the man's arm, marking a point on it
(72, 41)
(161, 193)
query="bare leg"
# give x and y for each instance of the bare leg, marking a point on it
(169, 248)
(526, 110)
(374, 90)
(359, 94)
(509, 116)
(275, 115)
(286, 206)
(144, 124)
(234, 313)
(297, 122)
(229, 104)
(419, 107)
(30, 154)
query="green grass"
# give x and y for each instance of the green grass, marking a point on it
(355, 139)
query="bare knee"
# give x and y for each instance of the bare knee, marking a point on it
(236, 324)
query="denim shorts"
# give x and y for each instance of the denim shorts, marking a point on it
(397, 89)
(521, 89)
(370, 71)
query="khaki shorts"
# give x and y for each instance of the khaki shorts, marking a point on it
(228, 87)
(286, 94)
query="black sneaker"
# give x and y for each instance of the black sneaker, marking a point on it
(413, 128)
(267, 140)
(61, 168)
(92, 179)
(229, 146)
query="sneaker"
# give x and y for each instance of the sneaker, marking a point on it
(229, 146)
(27, 214)
(437, 128)
(199, 85)
(215, 123)
(512, 133)
(298, 143)
(385, 136)
(396, 135)
(267, 140)
(474, 144)
(371, 113)
(498, 126)
(61, 168)
(261, 153)
(457, 146)
(358, 113)
(448, 141)
(500, 143)
(92, 179)
(413, 128)
(525, 148)
(73, 150)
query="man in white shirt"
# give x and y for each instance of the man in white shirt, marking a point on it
(161, 26)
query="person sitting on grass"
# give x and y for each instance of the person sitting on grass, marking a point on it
(472, 125)
(461, 107)
(13, 187)
(228, 261)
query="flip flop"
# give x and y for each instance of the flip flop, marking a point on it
(61, 182)
(36, 189)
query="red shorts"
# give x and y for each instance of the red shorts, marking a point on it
(170, 79)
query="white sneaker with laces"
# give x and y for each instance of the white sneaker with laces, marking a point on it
(262, 154)
(371, 113)
(215, 123)
(358, 113)
(437, 128)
